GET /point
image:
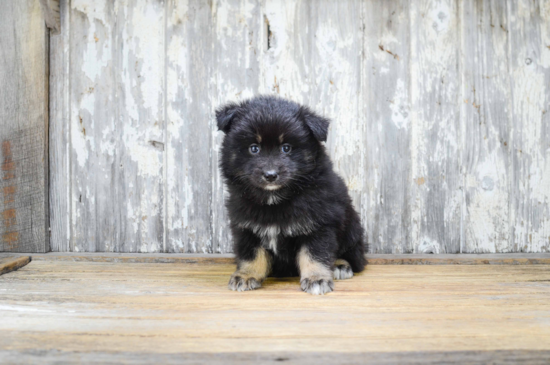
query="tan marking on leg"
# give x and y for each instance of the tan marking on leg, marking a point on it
(259, 267)
(342, 270)
(315, 278)
(339, 262)
(250, 274)
(309, 267)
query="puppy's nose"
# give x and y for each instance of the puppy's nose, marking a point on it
(271, 175)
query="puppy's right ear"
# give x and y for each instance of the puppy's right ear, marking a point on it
(225, 116)
(317, 124)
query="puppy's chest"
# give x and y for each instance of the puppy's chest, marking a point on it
(275, 236)
(270, 236)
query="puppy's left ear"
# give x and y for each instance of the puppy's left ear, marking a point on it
(225, 115)
(317, 124)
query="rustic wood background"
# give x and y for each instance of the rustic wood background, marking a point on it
(23, 127)
(440, 109)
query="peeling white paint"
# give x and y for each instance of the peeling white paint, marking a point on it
(136, 113)
(487, 221)
(540, 182)
(529, 101)
(427, 245)
(400, 106)
(148, 160)
(78, 142)
(97, 55)
(94, 10)
(149, 34)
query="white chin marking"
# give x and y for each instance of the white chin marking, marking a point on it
(272, 187)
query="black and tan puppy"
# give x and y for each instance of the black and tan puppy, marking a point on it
(290, 213)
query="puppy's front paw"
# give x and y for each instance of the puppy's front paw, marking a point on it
(317, 285)
(342, 270)
(241, 282)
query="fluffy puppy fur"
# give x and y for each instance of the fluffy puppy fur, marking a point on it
(290, 213)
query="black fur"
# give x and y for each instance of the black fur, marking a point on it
(312, 206)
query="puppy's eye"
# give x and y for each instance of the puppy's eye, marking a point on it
(286, 148)
(254, 149)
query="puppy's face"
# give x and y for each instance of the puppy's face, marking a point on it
(270, 143)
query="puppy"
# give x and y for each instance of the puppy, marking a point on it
(290, 213)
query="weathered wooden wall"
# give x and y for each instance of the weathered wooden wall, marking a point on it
(440, 109)
(23, 127)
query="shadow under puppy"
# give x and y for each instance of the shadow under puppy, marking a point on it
(290, 213)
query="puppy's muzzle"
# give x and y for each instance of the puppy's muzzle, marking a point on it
(270, 176)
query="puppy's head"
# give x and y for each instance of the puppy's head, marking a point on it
(270, 143)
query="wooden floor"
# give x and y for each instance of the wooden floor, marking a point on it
(63, 311)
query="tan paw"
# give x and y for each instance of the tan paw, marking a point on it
(342, 270)
(241, 282)
(317, 285)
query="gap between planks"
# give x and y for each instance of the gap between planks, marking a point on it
(372, 259)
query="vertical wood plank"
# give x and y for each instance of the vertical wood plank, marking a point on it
(59, 134)
(436, 198)
(139, 125)
(530, 132)
(50, 12)
(188, 111)
(117, 123)
(238, 43)
(95, 218)
(485, 115)
(23, 128)
(333, 60)
(387, 147)
(286, 67)
(313, 57)
(543, 245)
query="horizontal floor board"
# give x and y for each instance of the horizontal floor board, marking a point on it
(151, 312)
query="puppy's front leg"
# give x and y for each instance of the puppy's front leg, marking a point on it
(315, 275)
(250, 273)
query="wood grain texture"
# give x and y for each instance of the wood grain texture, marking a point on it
(24, 207)
(138, 131)
(486, 122)
(50, 11)
(9, 264)
(436, 198)
(439, 117)
(60, 137)
(530, 135)
(116, 125)
(95, 215)
(335, 87)
(386, 110)
(239, 41)
(188, 130)
(372, 259)
(116, 309)
(537, 357)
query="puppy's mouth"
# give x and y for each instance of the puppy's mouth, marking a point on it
(272, 187)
